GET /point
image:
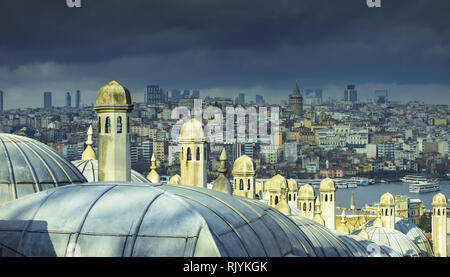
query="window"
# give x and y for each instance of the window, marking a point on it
(310, 206)
(248, 184)
(326, 197)
(189, 154)
(386, 212)
(304, 207)
(439, 212)
(294, 197)
(276, 200)
(99, 124)
(197, 155)
(107, 125)
(128, 124)
(241, 184)
(119, 125)
(392, 211)
(331, 197)
(290, 197)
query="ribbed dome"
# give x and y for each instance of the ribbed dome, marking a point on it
(29, 166)
(192, 131)
(306, 192)
(113, 94)
(89, 169)
(415, 234)
(387, 199)
(243, 166)
(439, 200)
(394, 239)
(276, 183)
(327, 185)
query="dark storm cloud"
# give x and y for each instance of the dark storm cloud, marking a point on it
(238, 44)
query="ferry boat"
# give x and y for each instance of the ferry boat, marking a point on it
(413, 179)
(426, 186)
(352, 185)
(363, 182)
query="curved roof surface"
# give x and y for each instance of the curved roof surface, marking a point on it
(29, 166)
(89, 168)
(393, 239)
(136, 219)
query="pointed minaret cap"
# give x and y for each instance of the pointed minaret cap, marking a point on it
(88, 153)
(153, 176)
(221, 183)
(317, 214)
(343, 227)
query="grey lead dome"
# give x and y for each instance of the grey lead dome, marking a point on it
(28, 166)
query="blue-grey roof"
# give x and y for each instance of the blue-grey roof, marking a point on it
(137, 219)
(89, 168)
(393, 239)
(29, 166)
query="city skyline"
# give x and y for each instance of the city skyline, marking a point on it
(226, 48)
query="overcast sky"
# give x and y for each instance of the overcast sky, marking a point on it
(224, 47)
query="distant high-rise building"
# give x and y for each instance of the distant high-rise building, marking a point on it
(1, 101)
(296, 101)
(381, 96)
(240, 100)
(350, 94)
(259, 100)
(176, 95)
(68, 99)
(77, 99)
(47, 100)
(196, 93)
(154, 94)
(186, 93)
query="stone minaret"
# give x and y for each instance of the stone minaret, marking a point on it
(387, 209)
(439, 225)
(113, 107)
(193, 154)
(327, 195)
(244, 177)
(306, 201)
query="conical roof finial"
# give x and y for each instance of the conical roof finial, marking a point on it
(88, 153)
(153, 176)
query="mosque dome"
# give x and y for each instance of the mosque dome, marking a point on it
(175, 179)
(365, 247)
(387, 199)
(29, 166)
(113, 95)
(439, 200)
(192, 131)
(136, 219)
(89, 168)
(292, 185)
(415, 234)
(394, 239)
(243, 165)
(306, 192)
(327, 185)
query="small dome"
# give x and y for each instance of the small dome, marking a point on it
(89, 168)
(393, 239)
(113, 95)
(29, 166)
(283, 207)
(175, 179)
(439, 200)
(327, 185)
(387, 200)
(292, 185)
(415, 234)
(306, 192)
(243, 166)
(277, 182)
(222, 184)
(192, 131)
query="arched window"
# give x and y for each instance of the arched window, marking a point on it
(128, 124)
(241, 184)
(119, 125)
(276, 200)
(326, 197)
(392, 211)
(439, 211)
(189, 154)
(270, 202)
(294, 197)
(107, 125)
(99, 124)
(310, 206)
(385, 212)
(290, 197)
(304, 207)
(197, 154)
(248, 184)
(331, 197)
